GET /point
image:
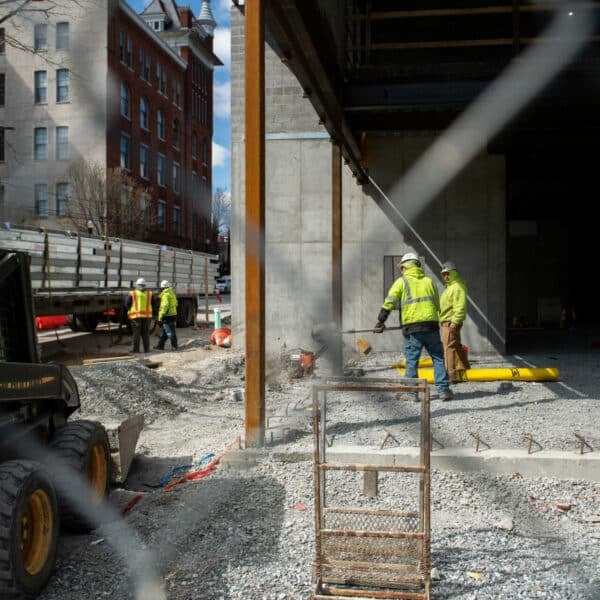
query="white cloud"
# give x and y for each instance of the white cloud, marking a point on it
(222, 99)
(222, 46)
(220, 155)
(224, 5)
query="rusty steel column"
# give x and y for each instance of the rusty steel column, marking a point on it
(255, 223)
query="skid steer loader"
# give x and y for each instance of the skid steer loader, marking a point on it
(36, 402)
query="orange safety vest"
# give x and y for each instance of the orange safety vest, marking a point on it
(141, 304)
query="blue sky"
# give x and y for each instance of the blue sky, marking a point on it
(222, 86)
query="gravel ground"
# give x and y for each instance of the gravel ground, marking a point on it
(246, 531)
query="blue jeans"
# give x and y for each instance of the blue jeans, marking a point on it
(167, 331)
(413, 345)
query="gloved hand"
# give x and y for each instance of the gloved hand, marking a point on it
(379, 327)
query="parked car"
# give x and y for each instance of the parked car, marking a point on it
(223, 284)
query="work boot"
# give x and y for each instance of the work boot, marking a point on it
(446, 395)
(157, 348)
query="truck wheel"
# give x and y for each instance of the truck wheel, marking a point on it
(83, 446)
(72, 322)
(29, 525)
(186, 315)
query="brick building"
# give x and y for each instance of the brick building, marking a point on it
(112, 87)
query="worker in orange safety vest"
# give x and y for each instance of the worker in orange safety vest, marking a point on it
(139, 311)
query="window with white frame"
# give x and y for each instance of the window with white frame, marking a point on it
(160, 124)
(125, 101)
(62, 36)
(125, 151)
(122, 46)
(144, 160)
(176, 133)
(40, 37)
(40, 87)
(40, 143)
(176, 92)
(41, 199)
(177, 220)
(176, 178)
(160, 215)
(62, 143)
(129, 53)
(62, 85)
(62, 199)
(161, 168)
(148, 69)
(144, 116)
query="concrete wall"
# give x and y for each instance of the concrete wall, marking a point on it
(465, 223)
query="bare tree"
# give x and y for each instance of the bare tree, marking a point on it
(109, 202)
(220, 217)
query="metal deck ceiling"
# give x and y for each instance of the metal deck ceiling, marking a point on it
(385, 65)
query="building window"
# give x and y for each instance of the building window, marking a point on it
(148, 69)
(176, 133)
(40, 37)
(129, 53)
(161, 167)
(62, 36)
(163, 83)
(2, 89)
(2, 41)
(205, 152)
(1, 146)
(177, 92)
(62, 85)
(125, 152)
(62, 199)
(176, 178)
(160, 215)
(141, 60)
(194, 146)
(40, 87)
(194, 192)
(40, 143)
(62, 143)
(177, 220)
(121, 46)
(160, 124)
(144, 112)
(125, 105)
(144, 154)
(41, 199)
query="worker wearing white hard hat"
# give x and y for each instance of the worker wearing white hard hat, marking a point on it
(453, 312)
(167, 316)
(417, 299)
(139, 312)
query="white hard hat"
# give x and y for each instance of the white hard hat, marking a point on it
(141, 282)
(165, 284)
(448, 266)
(410, 256)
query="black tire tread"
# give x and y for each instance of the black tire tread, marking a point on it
(70, 444)
(13, 475)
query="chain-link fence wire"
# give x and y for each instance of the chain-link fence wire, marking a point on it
(452, 152)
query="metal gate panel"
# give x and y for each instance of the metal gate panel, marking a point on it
(377, 551)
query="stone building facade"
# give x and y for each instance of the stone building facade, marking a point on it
(109, 86)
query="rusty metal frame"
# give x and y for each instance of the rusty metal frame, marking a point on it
(403, 584)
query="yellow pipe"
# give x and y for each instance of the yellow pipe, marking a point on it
(502, 374)
(423, 362)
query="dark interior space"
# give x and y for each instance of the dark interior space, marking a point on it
(552, 237)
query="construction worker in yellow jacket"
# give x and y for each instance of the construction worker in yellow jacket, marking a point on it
(453, 312)
(417, 298)
(167, 316)
(139, 312)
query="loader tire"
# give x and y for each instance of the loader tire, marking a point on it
(29, 526)
(186, 313)
(83, 447)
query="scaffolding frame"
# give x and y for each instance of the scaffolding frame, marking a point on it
(364, 552)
